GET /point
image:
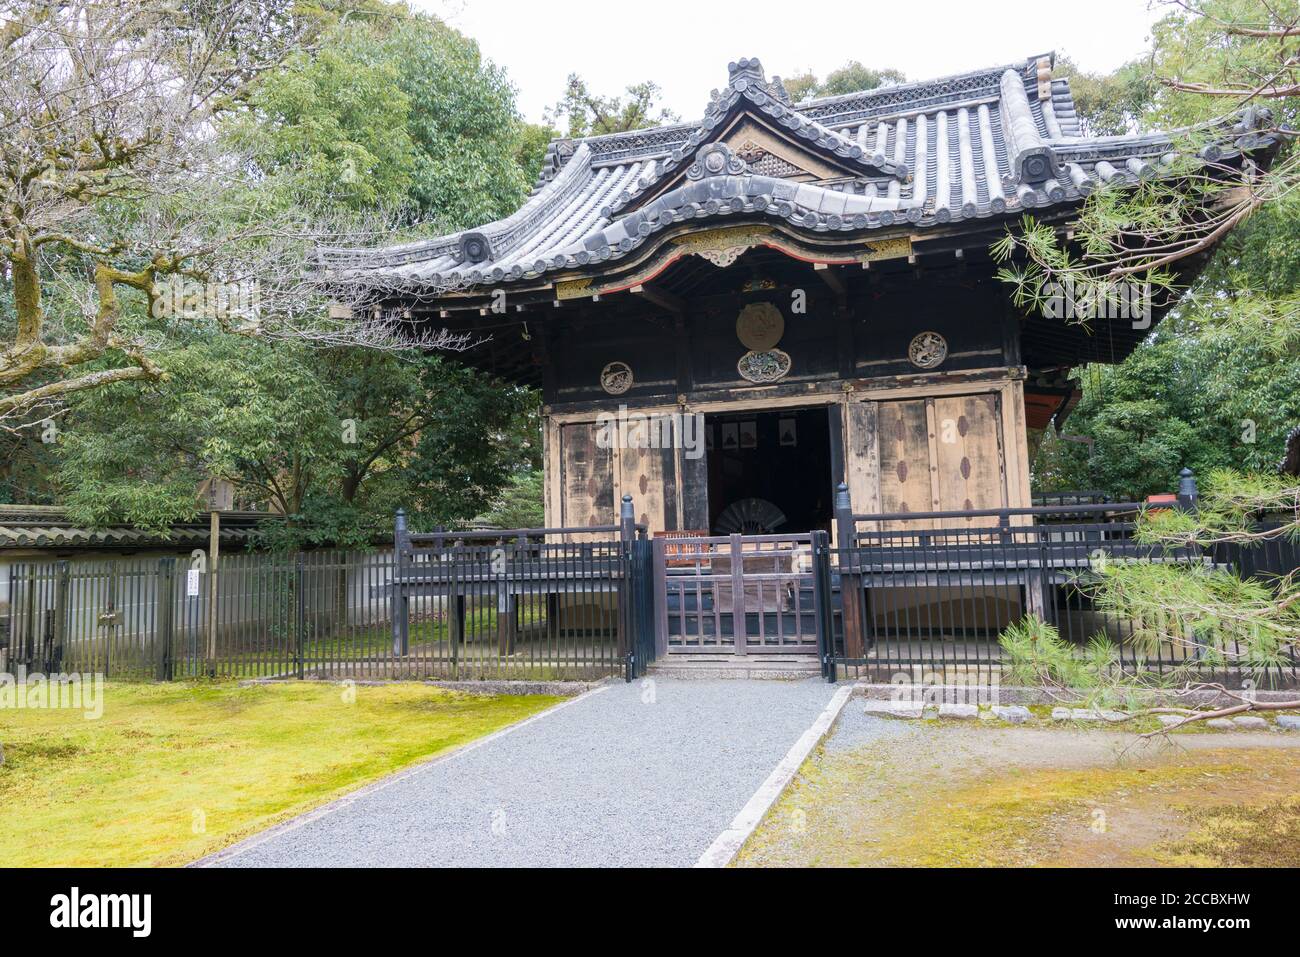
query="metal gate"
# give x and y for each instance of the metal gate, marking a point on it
(735, 594)
(115, 618)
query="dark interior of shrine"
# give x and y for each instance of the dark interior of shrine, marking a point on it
(769, 471)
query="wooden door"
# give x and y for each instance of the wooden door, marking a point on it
(968, 454)
(595, 474)
(586, 479)
(649, 475)
(923, 455)
(906, 468)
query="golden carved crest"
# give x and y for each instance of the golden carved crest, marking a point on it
(722, 247)
(887, 249)
(573, 289)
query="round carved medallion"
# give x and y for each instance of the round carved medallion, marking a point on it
(927, 350)
(760, 326)
(616, 378)
(765, 366)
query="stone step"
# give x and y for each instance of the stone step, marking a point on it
(787, 667)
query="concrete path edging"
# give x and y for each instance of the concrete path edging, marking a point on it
(727, 845)
(261, 837)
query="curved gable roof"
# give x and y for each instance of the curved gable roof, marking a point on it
(985, 143)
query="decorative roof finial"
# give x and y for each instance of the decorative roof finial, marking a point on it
(744, 72)
(716, 159)
(778, 90)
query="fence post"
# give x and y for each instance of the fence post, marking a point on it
(8, 635)
(626, 536)
(30, 631)
(1188, 494)
(851, 597)
(59, 637)
(401, 605)
(164, 601)
(822, 609)
(300, 596)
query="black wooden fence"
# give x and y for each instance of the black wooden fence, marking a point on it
(931, 592)
(534, 604)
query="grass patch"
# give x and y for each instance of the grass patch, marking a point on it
(1005, 821)
(173, 772)
(927, 795)
(1237, 836)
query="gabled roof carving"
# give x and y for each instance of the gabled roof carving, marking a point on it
(983, 144)
(748, 90)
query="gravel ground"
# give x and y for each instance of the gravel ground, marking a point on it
(646, 774)
(856, 729)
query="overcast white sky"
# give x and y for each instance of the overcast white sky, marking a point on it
(684, 45)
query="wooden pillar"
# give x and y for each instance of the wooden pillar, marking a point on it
(682, 355)
(58, 638)
(214, 554)
(455, 620)
(553, 617)
(847, 347)
(165, 629)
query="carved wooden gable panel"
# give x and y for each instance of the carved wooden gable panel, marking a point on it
(768, 154)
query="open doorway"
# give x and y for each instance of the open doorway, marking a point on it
(769, 471)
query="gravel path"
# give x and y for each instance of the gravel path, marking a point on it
(642, 774)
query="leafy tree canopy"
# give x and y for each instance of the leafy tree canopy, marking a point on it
(383, 108)
(1216, 384)
(584, 113)
(394, 111)
(850, 78)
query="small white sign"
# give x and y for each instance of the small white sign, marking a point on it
(192, 583)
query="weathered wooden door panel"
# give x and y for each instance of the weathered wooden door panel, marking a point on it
(862, 458)
(969, 453)
(649, 475)
(935, 454)
(586, 477)
(904, 442)
(597, 468)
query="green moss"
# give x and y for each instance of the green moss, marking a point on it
(1243, 836)
(984, 794)
(1002, 822)
(175, 771)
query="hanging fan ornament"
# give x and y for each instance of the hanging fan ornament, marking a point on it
(750, 516)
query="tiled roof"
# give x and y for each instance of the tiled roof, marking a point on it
(47, 527)
(988, 143)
